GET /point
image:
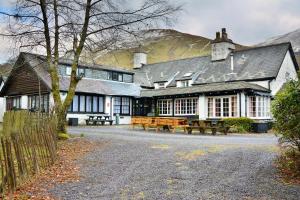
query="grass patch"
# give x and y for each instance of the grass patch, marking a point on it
(193, 155)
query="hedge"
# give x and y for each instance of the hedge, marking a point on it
(241, 124)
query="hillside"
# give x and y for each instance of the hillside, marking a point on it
(160, 45)
(5, 69)
(293, 37)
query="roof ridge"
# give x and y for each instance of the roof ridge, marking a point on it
(263, 46)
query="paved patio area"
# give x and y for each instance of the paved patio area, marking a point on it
(148, 165)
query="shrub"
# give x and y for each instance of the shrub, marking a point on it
(286, 111)
(289, 163)
(241, 124)
(63, 136)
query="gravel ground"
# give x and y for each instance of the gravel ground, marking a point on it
(148, 165)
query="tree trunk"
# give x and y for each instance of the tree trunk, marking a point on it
(61, 115)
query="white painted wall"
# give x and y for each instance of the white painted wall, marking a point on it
(287, 72)
(24, 102)
(243, 99)
(159, 85)
(202, 107)
(2, 104)
(2, 108)
(264, 84)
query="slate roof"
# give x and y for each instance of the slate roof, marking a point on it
(259, 63)
(251, 64)
(85, 85)
(205, 88)
(107, 87)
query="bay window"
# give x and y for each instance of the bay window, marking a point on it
(222, 106)
(234, 112)
(165, 106)
(186, 106)
(218, 107)
(259, 106)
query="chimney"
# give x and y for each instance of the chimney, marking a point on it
(139, 58)
(222, 46)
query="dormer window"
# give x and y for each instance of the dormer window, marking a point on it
(161, 85)
(184, 83)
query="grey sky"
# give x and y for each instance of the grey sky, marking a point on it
(247, 21)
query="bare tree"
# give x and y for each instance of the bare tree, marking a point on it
(60, 26)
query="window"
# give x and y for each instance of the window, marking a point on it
(13, 103)
(161, 85)
(225, 107)
(252, 106)
(222, 106)
(81, 72)
(128, 78)
(81, 103)
(186, 106)
(122, 105)
(68, 71)
(210, 108)
(218, 107)
(95, 104)
(259, 106)
(87, 104)
(75, 103)
(36, 102)
(234, 112)
(164, 106)
(115, 76)
(101, 104)
(184, 83)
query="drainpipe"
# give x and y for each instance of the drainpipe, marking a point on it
(231, 62)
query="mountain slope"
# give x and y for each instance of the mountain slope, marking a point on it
(293, 37)
(160, 45)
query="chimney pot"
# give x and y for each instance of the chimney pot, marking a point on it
(218, 36)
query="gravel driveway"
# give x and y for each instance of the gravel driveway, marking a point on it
(149, 165)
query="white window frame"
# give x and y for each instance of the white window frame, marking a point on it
(160, 109)
(193, 107)
(262, 105)
(222, 106)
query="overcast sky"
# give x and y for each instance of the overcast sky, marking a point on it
(247, 21)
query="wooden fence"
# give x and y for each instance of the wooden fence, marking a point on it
(28, 144)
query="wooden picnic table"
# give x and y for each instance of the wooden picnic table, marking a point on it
(213, 125)
(166, 123)
(94, 119)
